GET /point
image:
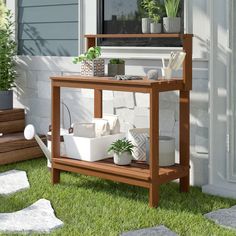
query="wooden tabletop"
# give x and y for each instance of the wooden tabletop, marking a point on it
(108, 80)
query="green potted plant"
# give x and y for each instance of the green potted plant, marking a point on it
(155, 26)
(171, 23)
(116, 66)
(91, 64)
(154, 11)
(7, 66)
(122, 149)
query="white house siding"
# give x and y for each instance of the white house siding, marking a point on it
(33, 89)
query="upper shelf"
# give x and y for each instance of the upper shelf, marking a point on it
(138, 35)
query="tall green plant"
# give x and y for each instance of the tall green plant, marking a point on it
(7, 53)
(172, 7)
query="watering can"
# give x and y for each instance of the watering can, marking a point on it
(30, 133)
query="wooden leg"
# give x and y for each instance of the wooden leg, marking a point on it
(153, 195)
(154, 148)
(55, 131)
(184, 137)
(97, 103)
(55, 176)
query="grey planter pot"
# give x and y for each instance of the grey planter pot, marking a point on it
(155, 28)
(146, 25)
(6, 100)
(116, 69)
(171, 24)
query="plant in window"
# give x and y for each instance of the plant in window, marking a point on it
(91, 64)
(154, 10)
(171, 23)
(7, 67)
(122, 149)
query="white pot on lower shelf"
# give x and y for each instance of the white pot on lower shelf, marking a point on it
(166, 151)
(122, 159)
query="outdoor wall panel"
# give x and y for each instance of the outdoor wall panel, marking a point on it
(44, 31)
(48, 27)
(48, 47)
(27, 3)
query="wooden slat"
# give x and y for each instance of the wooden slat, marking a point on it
(167, 174)
(107, 167)
(90, 36)
(109, 176)
(103, 83)
(137, 170)
(16, 141)
(14, 126)
(108, 80)
(20, 155)
(14, 114)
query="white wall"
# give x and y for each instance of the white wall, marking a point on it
(33, 87)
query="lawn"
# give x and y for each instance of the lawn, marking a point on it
(90, 206)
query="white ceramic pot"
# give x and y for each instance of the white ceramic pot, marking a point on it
(166, 73)
(155, 28)
(171, 24)
(146, 25)
(166, 151)
(138, 138)
(122, 159)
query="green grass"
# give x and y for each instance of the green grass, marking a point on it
(90, 206)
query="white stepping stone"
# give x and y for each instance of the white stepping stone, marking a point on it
(37, 218)
(155, 231)
(13, 181)
(224, 217)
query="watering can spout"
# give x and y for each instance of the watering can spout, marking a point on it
(30, 133)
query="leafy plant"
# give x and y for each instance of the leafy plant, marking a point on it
(7, 53)
(120, 146)
(116, 61)
(91, 54)
(153, 8)
(172, 7)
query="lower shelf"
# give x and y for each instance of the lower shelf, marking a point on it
(137, 173)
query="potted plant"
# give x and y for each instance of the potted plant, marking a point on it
(171, 23)
(155, 25)
(91, 64)
(153, 9)
(122, 149)
(116, 67)
(7, 67)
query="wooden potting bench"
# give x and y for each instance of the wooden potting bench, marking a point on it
(138, 173)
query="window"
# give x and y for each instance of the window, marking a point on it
(48, 28)
(124, 16)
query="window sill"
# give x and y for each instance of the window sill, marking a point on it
(141, 53)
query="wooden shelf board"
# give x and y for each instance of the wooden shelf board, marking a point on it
(11, 115)
(137, 35)
(16, 141)
(137, 170)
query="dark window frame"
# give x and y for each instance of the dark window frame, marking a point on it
(144, 42)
